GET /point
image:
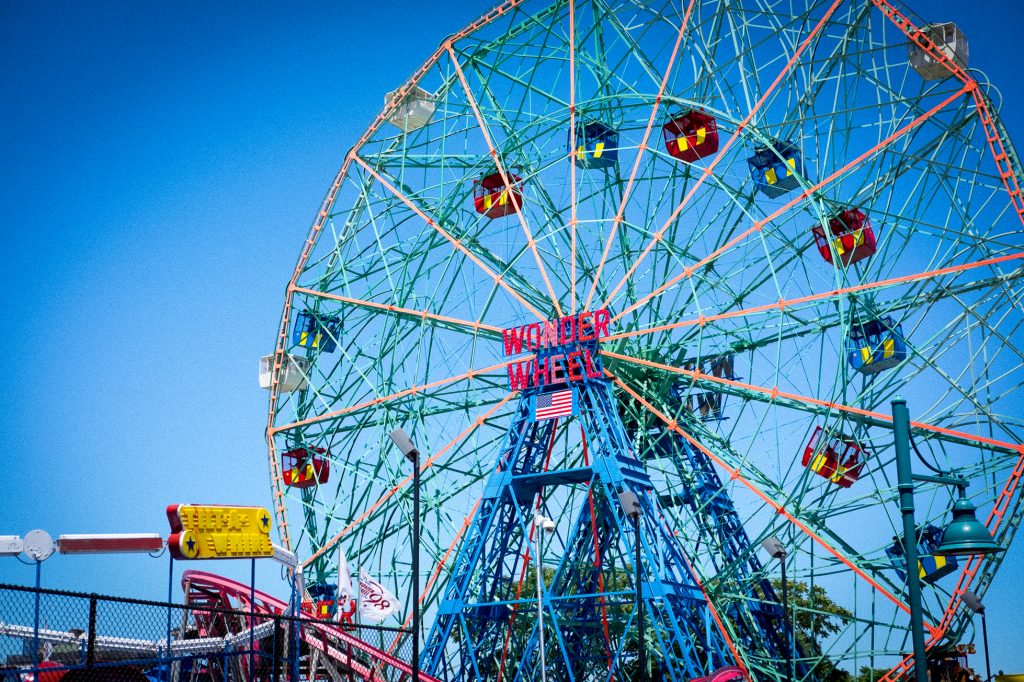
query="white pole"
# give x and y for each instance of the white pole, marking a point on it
(359, 600)
(538, 529)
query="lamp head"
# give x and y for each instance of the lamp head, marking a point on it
(774, 547)
(973, 602)
(545, 524)
(38, 545)
(404, 443)
(630, 504)
(965, 535)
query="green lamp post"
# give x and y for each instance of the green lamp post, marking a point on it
(964, 536)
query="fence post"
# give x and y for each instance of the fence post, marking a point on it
(35, 626)
(170, 600)
(277, 650)
(296, 626)
(252, 619)
(90, 647)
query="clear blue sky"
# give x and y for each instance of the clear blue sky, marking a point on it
(162, 163)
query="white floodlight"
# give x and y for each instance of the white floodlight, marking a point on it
(404, 443)
(630, 504)
(973, 602)
(774, 547)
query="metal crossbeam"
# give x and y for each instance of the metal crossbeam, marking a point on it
(483, 622)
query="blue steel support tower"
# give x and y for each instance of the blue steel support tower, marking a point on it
(484, 624)
(757, 615)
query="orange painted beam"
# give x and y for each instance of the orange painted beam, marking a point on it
(530, 241)
(429, 462)
(639, 155)
(572, 160)
(709, 169)
(280, 511)
(774, 392)
(437, 570)
(970, 571)
(394, 396)
(735, 474)
(422, 314)
(759, 225)
(842, 291)
(498, 279)
(1004, 165)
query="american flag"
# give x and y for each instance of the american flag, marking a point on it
(551, 405)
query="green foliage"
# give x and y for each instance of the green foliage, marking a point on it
(867, 674)
(816, 618)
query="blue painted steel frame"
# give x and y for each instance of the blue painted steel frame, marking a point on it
(758, 617)
(479, 605)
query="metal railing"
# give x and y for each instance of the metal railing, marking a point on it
(57, 636)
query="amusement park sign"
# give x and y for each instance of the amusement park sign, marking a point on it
(207, 532)
(564, 347)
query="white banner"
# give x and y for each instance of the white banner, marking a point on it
(345, 590)
(376, 602)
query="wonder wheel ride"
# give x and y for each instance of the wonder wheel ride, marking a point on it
(791, 212)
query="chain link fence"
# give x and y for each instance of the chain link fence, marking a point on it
(56, 636)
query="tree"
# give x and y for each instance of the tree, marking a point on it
(867, 674)
(816, 618)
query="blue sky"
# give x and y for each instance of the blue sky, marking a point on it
(162, 164)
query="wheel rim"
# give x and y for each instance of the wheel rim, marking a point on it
(694, 267)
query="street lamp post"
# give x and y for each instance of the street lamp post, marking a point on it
(631, 507)
(404, 443)
(964, 536)
(905, 485)
(777, 550)
(543, 525)
(973, 602)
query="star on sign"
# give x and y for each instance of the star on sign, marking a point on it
(265, 520)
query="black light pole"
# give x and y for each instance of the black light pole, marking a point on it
(777, 550)
(973, 602)
(404, 443)
(631, 507)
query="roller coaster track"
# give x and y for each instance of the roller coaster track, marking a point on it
(338, 652)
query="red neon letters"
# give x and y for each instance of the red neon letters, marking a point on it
(555, 368)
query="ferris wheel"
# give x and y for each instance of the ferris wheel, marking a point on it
(772, 217)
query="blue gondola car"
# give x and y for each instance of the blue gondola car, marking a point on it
(876, 345)
(776, 171)
(317, 332)
(931, 567)
(597, 145)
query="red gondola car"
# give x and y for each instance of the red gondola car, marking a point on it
(834, 456)
(850, 235)
(493, 199)
(305, 467)
(333, 609)
(691, 136)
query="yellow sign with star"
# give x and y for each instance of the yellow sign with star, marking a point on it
(201, 531)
